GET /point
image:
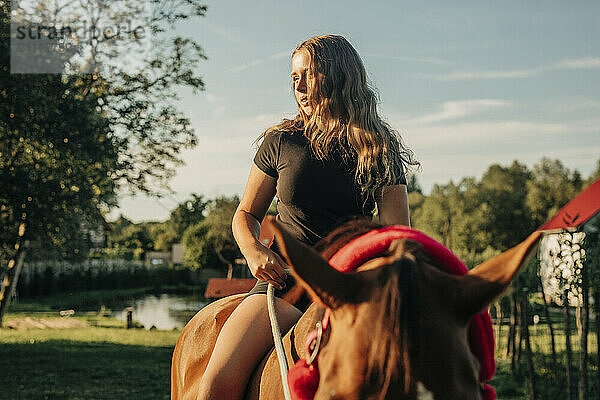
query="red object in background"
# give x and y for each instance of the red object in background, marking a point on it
(576, 212)
(222, 287)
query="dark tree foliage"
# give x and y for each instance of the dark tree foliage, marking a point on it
(187, 213)
(413, 184)
(505, 215)
(210, 243)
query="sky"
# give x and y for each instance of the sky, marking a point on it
(467, 84)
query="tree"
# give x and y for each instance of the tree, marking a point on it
(198, 251)
(551, 186)
(413, 184)
(415, 205)
(135, 237)
(69, 143)
(164, 236)
(505, 215)
(117, 226)
(212, 239)
(55, 172)
(218, 219)
(595, 175)
(187, 213)
(449, 214)
(434, 213)
(132, 79)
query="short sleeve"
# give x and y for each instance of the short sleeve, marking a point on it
(267, 156)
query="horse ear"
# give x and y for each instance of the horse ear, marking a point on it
(481, 285)
(325, 284)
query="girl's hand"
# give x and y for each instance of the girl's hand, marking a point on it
(266, 265)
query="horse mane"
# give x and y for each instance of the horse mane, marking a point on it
(344, 234)
(394, 330)
(395, 338)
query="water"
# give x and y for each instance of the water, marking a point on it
(165, 311)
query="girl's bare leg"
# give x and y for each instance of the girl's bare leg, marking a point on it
(243, 340)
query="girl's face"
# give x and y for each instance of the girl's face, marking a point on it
(302, 79)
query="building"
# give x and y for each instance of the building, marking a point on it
(564, 252)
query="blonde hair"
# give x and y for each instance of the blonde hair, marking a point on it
(345, 111)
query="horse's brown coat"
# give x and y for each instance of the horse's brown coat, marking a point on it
(198, 338)
(363, 319)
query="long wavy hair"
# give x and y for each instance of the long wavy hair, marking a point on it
(345, 116)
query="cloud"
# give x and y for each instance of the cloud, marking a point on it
(219, 111)
(217, 103)
(455, 165)
(580, 63)
(213, 98)
(454, 150)
(259, 61)
(429, 60)
(450, 147)
(281, 54)
(457, 109)
(570, 64)
(473, 75)
(228, 34)
(484, 135)
(246, 66)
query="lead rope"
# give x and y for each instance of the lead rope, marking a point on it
(278, 343)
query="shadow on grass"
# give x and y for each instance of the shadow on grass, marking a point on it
(62, 369)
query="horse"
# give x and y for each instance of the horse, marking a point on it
(398, 325)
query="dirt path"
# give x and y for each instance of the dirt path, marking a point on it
(44, 323)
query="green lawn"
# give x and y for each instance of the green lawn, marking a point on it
(106, 361)
(548, 386)
(91, 363)
(103, 361)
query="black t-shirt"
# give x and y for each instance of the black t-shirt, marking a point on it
(314, 196)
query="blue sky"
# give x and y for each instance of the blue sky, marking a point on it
(467, 84)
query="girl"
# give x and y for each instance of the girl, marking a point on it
(336, 160)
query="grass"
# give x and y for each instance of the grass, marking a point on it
(511, 386)
(101, 362)
(106, 361)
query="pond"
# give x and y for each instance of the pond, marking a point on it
(165, 311)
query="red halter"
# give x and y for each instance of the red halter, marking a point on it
(303, 377)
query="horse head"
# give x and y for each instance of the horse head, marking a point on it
(399, 323)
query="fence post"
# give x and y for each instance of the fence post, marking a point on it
(129, 311)
(568, 344)
(525, 335)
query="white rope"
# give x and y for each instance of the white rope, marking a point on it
(278, 343)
